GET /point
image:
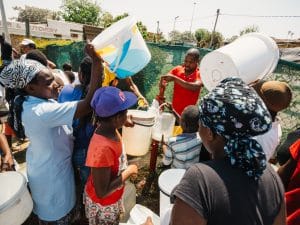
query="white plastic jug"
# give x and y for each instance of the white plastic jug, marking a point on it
(123, 47)
(15, 201)
(166, 182)
(164, 125)
(250, 57)
(139, 214)
(137, 139)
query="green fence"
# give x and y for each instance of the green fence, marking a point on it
(165, 57)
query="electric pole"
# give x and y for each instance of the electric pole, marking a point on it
(192, 17)
(212, 34)
(4, 22)
(157, 32)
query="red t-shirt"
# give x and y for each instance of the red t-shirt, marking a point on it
(104, 152)
(183, 97)
(295, 153)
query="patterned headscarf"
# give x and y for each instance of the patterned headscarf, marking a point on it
(234, 111)
(16, 76)
(19, 73)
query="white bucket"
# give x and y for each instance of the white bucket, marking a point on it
(139, 214)
(137, 139)
(123, 47)
(166, 182)
(15, 201)
(163, 126)
(250, 57)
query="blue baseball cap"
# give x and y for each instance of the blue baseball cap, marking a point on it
(108, 101)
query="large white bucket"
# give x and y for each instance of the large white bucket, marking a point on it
(166, 182)
(123, 47)
(137, 139)
(250, 57)
(15, 201)
(164, 125)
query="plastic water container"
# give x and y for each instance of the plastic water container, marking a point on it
(166, 182)
(139, 214)
(123, 47)
(164, 126)
(15, 201)
(250, 57)
(137, 139)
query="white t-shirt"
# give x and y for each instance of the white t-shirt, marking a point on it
(270, 140)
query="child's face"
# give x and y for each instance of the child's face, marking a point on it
(44, 87)
(121, 119)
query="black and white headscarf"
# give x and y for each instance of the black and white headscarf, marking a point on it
(19, 73)
(16, 76)
(235, 111)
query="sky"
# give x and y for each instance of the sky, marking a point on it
(276, 18)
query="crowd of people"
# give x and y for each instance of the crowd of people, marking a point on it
(76, 163)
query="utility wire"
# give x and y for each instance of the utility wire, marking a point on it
(240, 15)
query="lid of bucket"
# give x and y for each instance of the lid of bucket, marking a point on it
(13, 185)
(169, 179)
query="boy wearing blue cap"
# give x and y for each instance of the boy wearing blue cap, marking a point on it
(106, 158)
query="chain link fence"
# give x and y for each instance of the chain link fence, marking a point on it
(165, 57)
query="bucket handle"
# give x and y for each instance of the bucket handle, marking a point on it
(144, 125)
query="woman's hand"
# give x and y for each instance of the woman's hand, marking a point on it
(91, 52)
(8, 159)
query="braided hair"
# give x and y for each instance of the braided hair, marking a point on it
(15, 77)
(15, 98)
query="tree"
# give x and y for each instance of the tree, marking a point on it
(175, 36)
(187, 36)
(249, 29)
(233, 38)
(203, 37)
(81, 11)
(142, 29)
(106, 19)
(36, 15)
(218, 40)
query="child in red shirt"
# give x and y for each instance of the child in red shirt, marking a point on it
(109, 170)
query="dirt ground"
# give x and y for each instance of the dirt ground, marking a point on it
(146, 183)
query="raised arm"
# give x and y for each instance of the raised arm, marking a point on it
(83, 106)
(136, 90)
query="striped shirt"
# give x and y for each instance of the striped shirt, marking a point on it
(183, 150)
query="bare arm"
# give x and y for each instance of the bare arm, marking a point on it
(8, 158)
(182, 213)
(286, 171)
(105, 185)
(83, 106)
(280, 219)
(194, 86)
(135, 89)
